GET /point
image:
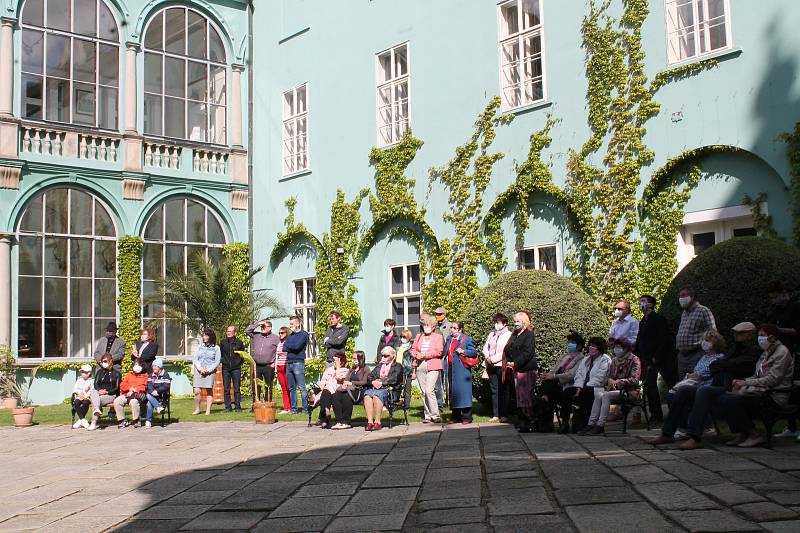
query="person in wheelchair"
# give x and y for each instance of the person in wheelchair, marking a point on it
(389, 373)
(551, 391)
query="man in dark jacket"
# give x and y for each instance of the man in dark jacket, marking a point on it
(111, 344)
(654, 347)
(263, 348)
(231, 368)
(785, 313)
(335, 337)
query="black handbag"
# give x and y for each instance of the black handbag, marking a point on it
(356, 394)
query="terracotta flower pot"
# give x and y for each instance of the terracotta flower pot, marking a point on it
(23, 417)
(9, 403)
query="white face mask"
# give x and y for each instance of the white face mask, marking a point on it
(618, 350)
(763, 342)
(685, 301)
(137, 368)
(498, 326)
(387, 330)
(617, 313)
(706, 346)
(104, 365)
(144, 338)
(384, 360)
(427, 330)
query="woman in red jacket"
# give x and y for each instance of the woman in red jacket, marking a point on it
(132, 391)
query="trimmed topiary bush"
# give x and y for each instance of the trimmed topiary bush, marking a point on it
(557, 306)
(731, 279)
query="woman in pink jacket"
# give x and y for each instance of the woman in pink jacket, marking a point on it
(427, 351)
(328, 385)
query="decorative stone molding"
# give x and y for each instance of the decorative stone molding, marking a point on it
(9, 177)
(43, 140)
(158, 155)
(239, 199)
(209, 161)
(237, 163)
(133, 189)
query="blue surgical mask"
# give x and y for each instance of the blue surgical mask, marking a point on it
(572, 347)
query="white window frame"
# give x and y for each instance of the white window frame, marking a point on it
(405, 295)
(700, 30)
(520, 37)
(395, 125)
(302, 309)
(291, 156)
(722, 222)
(536, 248)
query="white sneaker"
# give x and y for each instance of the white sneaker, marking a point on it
(92, 426)
(786, 433)
(159, 409)
(76, 425)
(148, 424)
(494, 419)
(710, 432)
(84, 423)
(680, 435)
(98, 413)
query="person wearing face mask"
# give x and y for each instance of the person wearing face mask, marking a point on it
(590, 381)
(682, 397)
(333, 377)
(427, 351)
(336, 337)
(784, 312)
(624, 325)
(388, 373)
(520, 357)
(263, 349)
(133, 392)
(349, 391)
(654, 347)
(405, 358)
(158, 386)
(388, 338)
(146, 348)
(204, 365)
(84, 386)
(443, 325)
(106, 387)
(493, 350)
(554, 383)
(696, 319)
(461, 355)
(772, 378)
(111, 344)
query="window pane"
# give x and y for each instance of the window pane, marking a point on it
(80, 337)
(32, 96)
(84, 103)
(85, 19)
(32, 218)
(215, 233)
(59, 14)
(175, 34)
(153, 229)
(151, 261)
(174, 77)
(298, 293)
(175, 258)
(154, 40)
(80, 297)
(530, 14)
(33, 12)
(107, 24)
(30, 296)
(29, 337)
(527, 259)
(102, 221)
(55, 297)
(311, 291)
(105, 297)
(197, 35)
(384, 67)
(32, 47)
(197, 121)
(174, 339)
(195, 222)
(55, 256)
(288, 104)
(397, 280)
(745, 232)
(218, 127)
(216, 50)
(57, 100)
(80, 255)
(174, 220)
(81, 213)
(508, 19)
(401, 61)
(217, 94)
(398, 312)
(547, 259)
(197, 81)
(109, 65)
(718, 37)
(703, 241)
(58, 56)
(55, 337)
(105, 259)
(107, 108)
(414, 308)
(149, 296)
(56, 211)
(174, 117)
(215, 255)
(413, 277)
(30, 255)
(152, 114)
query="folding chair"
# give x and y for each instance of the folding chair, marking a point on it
(627, 402)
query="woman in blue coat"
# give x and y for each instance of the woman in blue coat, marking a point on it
(461, 357)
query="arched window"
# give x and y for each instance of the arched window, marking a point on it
(176, 231)
(70, 62)
(184, 77)
(67, 282)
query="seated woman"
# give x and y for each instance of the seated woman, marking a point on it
(773, 377)
(106, 387)
(553, 384)
(590, 382)
(623, 374)
(388, 373)
(132, 391)
(84, 387)
(158, 385)
(460, 349)
(350, 391)
(328, 384)
(682, 395)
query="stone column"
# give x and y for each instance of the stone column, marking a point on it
(5, 289)
(236, 105)
(130, 87)
(7, 67)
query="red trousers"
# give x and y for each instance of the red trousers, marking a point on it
(284, 382)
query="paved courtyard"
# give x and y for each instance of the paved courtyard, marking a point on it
(290, 478)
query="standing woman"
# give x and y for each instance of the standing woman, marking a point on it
(280, 369)
(206, 360)
(146, 348)
(427, 350)
(459, 348)
(520, 355)
(493, 360)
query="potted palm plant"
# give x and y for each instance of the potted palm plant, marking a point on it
(23, 415)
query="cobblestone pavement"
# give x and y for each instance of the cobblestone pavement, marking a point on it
(287, 477)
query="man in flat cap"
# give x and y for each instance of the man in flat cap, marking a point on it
(112, 344)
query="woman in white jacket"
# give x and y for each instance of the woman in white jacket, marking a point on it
(493, 359)
(590, 381)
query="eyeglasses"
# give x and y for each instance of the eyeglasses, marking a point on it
(619, 309)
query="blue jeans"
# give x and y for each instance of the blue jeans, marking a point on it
(704, 402)
(296, 374)
(152, 404)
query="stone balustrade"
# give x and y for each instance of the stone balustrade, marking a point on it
(98, 148)
(158, 155)
(211, 161)
(42, 140)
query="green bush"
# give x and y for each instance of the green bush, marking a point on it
(731, 279)
(556, 304)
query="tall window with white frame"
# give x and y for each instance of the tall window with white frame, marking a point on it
(521, 52)
(392, 94)
(304, 305)
(185, 77)
(295, 130)
(70, 62)
(405, 296)
(542, 257)
(696, 28)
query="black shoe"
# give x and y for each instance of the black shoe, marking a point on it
(564, 429)
(597, 430)
(238, 409)
(123, 424)
(137, 424)
(586, 430)
(228, 410)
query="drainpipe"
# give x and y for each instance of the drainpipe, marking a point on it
(250, 52)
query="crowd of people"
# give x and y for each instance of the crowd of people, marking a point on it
(704, 378)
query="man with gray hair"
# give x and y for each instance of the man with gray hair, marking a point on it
(263, 348)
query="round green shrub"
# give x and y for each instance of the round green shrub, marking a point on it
(556, 304)
(731, 279)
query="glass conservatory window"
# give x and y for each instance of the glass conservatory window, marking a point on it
(185, 77)
(70, 62)
(176, 231)
(67, 274)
